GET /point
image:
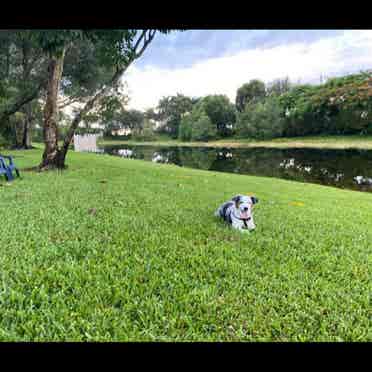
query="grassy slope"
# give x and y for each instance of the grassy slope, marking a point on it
(332, 142)
(152, 263)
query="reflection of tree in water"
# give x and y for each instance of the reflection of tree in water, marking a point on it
(226, 161)
(166, 155)
(330, 167)
(125, 153)
(262, 161)
(201, 158)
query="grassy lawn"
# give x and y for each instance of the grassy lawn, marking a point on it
(331, 142)
(125, 250)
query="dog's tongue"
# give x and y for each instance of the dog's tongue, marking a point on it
(244, 214)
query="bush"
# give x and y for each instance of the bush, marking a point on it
(221, 112)
(146, 133)
(6, 134)
(118, 137)
(341, 106)
(263, 120)
(197, 126)
(203, 129)
(185, 128)
(251, 92)
(3, 142)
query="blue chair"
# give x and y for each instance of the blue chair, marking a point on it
(4, 170)
(10, 167)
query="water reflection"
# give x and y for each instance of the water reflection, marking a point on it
(342, 168)
(125, 153)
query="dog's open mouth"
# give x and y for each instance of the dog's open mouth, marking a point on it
(244, 216)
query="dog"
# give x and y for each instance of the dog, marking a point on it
(238, 212)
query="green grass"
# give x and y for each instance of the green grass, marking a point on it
(124, 250)
(331, 142)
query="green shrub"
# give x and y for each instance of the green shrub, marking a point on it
(262, 120)
(185, 128)
(203, 129)
(3, 141)
(341, 106)
(146, 133)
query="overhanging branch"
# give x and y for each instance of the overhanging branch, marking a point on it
(145, 38)
(146, 41)
(26, 98)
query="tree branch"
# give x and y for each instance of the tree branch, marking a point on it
(140, 39)
(104, 90)
(145, 43)
(26, 98)
(68, 102)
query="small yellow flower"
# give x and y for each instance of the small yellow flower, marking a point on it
(297, 204)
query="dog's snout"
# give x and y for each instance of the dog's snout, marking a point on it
(245, 209)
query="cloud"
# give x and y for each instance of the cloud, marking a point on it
(349, 52)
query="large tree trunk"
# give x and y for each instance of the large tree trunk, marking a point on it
(51, 158)
(27, 109)
(18, 130)
(26, 138)
(22, 129)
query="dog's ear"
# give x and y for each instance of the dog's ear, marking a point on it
(254, 200)
(236, 200)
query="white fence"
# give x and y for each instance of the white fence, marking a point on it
(86, 142)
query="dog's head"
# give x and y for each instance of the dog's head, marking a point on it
(244, 206)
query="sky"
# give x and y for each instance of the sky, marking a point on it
(201, 62)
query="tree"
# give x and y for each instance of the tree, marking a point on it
(340, 106)
(278, 87)
(150, 114)
(185, 128)
(203, 129)
(83, 73)
(221, 113)
(262, 120)
(145, 132)
(115, 49)
(171, 109)
(22, 78)
(122, 119)
(250, 92)
(132, 119)
(221, 119)
(197, 126)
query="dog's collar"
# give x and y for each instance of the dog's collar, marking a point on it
(242, 219)
(245, 219)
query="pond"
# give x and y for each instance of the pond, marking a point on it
(350, 169)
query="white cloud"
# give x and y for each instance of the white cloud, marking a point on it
(351, 51)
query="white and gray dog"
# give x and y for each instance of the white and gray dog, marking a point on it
(238, 212)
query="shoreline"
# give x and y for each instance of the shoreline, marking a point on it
(320, 143)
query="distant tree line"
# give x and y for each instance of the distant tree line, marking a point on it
(341, 105)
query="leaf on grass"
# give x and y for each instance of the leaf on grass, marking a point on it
(92, 211)
(297, 204)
